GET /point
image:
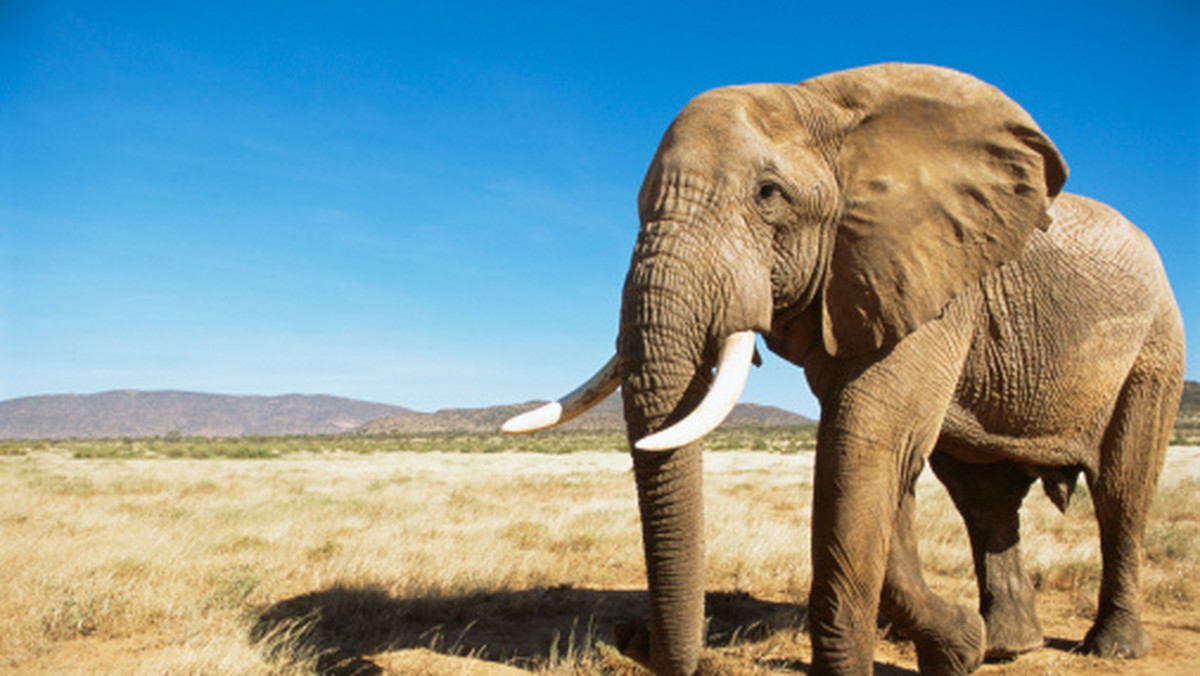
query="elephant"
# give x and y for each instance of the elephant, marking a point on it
(898, 231)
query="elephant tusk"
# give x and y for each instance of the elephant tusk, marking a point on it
(584, 397)
(733, 368)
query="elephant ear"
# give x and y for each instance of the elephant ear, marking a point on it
(944, 179)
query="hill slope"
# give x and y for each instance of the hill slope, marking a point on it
(142, 414)
(129, 413)
(1189, 408)
(607, 415)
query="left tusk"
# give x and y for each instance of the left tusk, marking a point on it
(584, 397)
(733, 368)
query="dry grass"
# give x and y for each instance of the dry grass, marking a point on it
(478, 563)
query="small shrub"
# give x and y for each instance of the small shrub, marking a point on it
(526, 535)
(1169, 541)
(324, 551)
(1178, 501)
(78, 615)
(576, 543)
(1069, 576)
(240, 544)
(57, 484)
(1173, 591)
(72, 618)
(231, 587)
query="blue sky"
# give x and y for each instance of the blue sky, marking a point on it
(433, 204)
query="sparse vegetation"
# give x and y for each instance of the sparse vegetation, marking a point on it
(470, 554)
(780, 440)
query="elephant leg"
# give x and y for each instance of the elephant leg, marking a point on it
(880, 419)
(854, 510)
(1131, 458)
(989, 497)
(949, 638)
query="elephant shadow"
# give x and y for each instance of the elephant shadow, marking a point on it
(339, 628)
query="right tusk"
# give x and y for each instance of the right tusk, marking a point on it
(587, 395)
(733, 367)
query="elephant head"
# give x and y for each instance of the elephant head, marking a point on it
(834, 217)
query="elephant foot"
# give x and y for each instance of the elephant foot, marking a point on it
(633, 641)
(1117, 634)
(1012, 630)
(958, 651)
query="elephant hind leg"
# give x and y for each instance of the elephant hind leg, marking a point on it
(989, 496)
(1131, 459)
(949, 639)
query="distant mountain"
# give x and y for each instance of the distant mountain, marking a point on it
(1189, 408)
(129, 413)
(133, 413)
(607, 415)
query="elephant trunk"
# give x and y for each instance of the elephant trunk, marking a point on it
(672, 510)
(664, 355)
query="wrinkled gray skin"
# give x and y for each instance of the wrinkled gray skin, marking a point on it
(898, 232)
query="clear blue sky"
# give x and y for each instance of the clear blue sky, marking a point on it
(432, 204)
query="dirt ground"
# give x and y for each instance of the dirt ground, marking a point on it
(1176, 652)
(784, 649)
(366, 628)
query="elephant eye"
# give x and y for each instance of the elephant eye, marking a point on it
(773, 201)
(767, 191)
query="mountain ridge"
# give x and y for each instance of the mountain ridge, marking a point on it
(607, 415)
(151, 413)
(148, 413)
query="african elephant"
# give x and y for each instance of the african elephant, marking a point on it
(898, 231)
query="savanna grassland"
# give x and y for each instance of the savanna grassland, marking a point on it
(475, 554)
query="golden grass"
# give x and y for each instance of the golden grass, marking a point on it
(473, 563)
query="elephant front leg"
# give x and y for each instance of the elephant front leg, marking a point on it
(880, 418)
(852, 518)
(856, 502)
